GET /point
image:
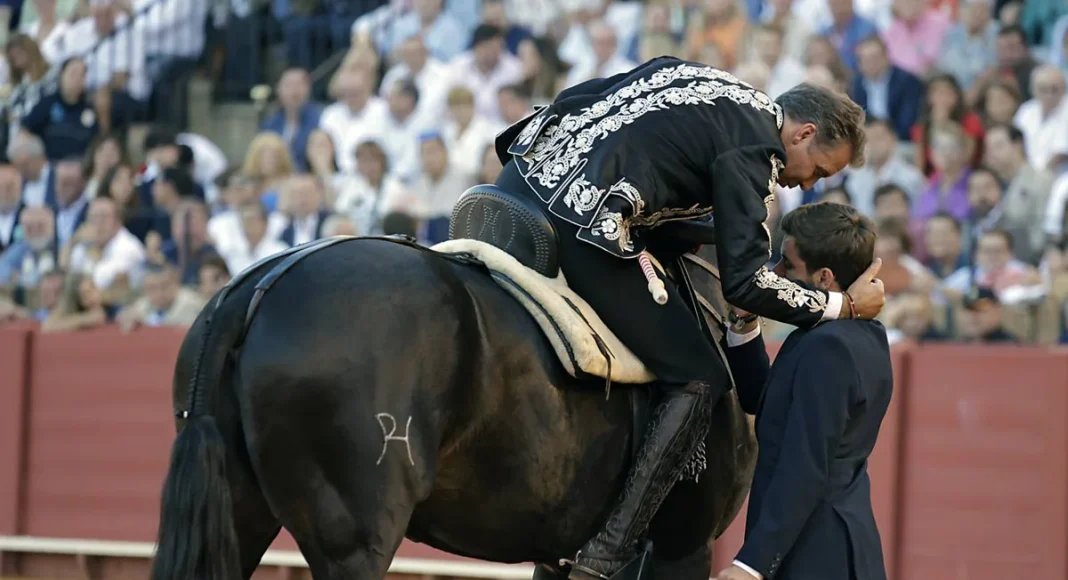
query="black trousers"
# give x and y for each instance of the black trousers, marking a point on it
(667, 338)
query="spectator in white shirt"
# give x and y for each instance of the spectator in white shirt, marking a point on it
(165, 302)
(173, 32)
(369, 195)
(48, 30)
(515, 102)
(485, 69)
(302, 202)
(355, 117)
(466, 134)
(603, 60)
(111, 253)
(1044, 119)
(224, 228)
(786, 70)
(114, 55)
(884, 165)
(257, 243)
(440, 185)
(402, 127)
(430, 74)
(27, 153)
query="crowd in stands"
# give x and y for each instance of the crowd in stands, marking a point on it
(966, 175)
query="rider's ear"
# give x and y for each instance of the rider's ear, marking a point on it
(806, 132)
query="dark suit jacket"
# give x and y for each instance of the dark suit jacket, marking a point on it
(810, 515)
(289, 234)
(905, 95)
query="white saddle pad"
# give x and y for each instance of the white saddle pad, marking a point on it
(573, 334)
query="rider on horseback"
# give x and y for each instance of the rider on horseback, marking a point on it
(612, 160)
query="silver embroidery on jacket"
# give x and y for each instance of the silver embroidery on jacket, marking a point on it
(583, 196)
(611, 226)
(558, 150)
(790, 293)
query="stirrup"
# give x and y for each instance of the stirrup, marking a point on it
(638, 567)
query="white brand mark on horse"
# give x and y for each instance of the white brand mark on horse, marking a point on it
(389, 434)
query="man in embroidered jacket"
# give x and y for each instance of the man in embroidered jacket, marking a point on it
(612, 160)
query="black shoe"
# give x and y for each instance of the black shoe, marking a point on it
(673, 441)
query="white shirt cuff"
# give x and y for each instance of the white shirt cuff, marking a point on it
(735, 339)
(755, 574)
(835, 304)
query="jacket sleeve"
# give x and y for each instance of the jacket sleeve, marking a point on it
(743, 182)
(750, 366)
(816, 420)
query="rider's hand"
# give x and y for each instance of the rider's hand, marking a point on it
(737, 314)
(867, 293)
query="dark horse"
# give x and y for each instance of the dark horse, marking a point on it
(384, 391)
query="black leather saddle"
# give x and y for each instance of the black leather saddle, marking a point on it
(509, 222)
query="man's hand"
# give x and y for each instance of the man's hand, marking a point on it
(742, 328)
(867, 293)
(734, 573)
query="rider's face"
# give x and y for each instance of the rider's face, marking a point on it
(807, 163)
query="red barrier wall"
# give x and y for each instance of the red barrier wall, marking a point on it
(969, 477)
(985, 490)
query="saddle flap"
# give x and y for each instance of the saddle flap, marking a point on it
(582, 341)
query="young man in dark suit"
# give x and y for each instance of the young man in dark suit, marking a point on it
(818, 411)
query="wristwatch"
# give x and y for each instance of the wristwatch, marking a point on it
(738, 322)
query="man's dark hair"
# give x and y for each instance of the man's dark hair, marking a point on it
(943, 215)
(520, 91)
(160, 136)
(834, 236)
(185, 157)
(887, 190)
(408, 87)
(1016, 136)
(485, 32)
(1003, 234)
(993, 175)
(182, 182)
(837, 118)
(399, 223)
(1014, 30)
(213, 260)
(897, 228)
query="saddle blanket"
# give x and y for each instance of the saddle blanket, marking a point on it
(581, 340)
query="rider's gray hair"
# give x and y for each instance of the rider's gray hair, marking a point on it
(836, 117)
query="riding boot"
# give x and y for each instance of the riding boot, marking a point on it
(675, 435)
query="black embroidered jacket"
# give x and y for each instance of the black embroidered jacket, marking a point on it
(669, 140)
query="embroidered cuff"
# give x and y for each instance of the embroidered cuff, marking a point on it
(835, 301)
(735, 339)
(755, 574)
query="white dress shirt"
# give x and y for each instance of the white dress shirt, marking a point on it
(787, 74)
(172, 27)
(862, 182)
(304, 229)
(238, 258)
(34, 192)
(226, 233)
(509, 70)
(466, 150)
(432, 82)
(350, 128)
(367, 206)
(400, 141)
(53, 47)
(1046, 138)
(121, 52)
(123, 254)
(7, 226)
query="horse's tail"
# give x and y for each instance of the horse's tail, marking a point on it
(197, 539)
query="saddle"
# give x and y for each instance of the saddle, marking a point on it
(516, 242)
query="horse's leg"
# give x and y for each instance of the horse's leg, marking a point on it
(696, 566)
